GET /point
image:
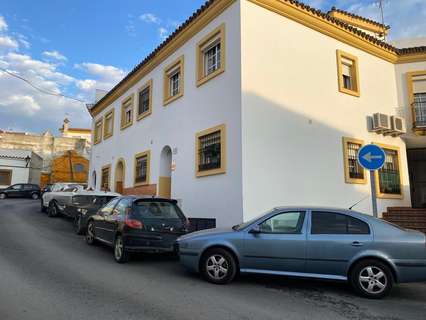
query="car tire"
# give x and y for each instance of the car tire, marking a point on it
(121, 255)
(218, 266)
(78, 226)
(35, 196)
(52, 210)
(3, 196)
(90, 234)
(372, 279)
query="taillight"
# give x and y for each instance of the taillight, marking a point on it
(134, 224)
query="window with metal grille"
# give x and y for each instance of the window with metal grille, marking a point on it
(389, 174)
(105, 179)
(174, 83)
(144, 102)
(141, 174)
(212, 58)
(354, 168)
(5, 177)
(420, 109)
(209, 151)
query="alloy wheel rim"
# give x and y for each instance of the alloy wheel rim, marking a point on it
(373, 280)
(2, 196)
(118, 248)
(217, 267)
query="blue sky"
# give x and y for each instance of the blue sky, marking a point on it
(74, 47)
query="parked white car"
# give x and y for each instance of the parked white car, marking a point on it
(53, 201)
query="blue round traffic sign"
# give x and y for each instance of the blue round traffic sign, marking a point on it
(371, 157)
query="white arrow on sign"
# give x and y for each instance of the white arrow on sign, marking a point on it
(369, 157)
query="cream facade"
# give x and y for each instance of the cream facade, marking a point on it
(275, 102)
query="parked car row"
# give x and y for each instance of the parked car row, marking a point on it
(343, 245)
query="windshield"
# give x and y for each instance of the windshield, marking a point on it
(243, 225)
(156, 210)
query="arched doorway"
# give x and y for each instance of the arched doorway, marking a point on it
(120, 171)
(94, 180)
(165, 180)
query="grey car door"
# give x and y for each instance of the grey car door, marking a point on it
(279, 244)
(334, 239)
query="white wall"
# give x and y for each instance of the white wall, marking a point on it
(216, 102)
(20, 174)
(294, 117)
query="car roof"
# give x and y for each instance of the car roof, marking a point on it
(98, 193)
(323, 209)
(150, 198)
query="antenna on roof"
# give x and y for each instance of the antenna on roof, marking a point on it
(383, 18)
(356, 203)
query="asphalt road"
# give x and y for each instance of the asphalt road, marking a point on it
(48, 272)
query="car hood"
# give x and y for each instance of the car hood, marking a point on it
(207, 232)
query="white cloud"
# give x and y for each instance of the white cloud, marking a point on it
(3, 24)
(54, 55)
(8, 43)
(150, 18)
(163, 32)
(21, 104)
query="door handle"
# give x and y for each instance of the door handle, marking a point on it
(357, 244)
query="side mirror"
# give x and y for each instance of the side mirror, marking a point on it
(255, 230)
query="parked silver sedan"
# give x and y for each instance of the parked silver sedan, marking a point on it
(336, 244)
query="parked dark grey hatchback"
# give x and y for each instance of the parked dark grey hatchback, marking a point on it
(131, 224)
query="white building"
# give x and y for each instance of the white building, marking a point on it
(252, 104)
(19, 166)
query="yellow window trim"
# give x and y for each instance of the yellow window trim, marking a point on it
(109, 134)
(177, 64)
(222, 169)
(97, 133)
(125, 101)
(106, 167)
(348, 179)
(148, 168)
(386, 195)
(410, 92)
(146, 113)
(344, 55)
(215, 35)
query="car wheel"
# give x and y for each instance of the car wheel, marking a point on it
(372, 279)
(218, 266)
(90, 233)
(35, 196)
(78, 225)
(120, 253)
(2, 196)
(52, 210)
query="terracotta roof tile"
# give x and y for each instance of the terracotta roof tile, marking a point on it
(387, 27)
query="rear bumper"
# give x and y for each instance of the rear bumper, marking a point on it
(150, 243)
(411, 270)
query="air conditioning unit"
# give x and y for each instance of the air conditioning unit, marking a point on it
(381, 123)
(397, 126)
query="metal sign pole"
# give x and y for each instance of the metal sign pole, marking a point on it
(373, 193)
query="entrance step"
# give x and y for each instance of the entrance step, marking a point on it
(410, 218)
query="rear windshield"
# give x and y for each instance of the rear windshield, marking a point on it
(156, 210)
(102, 200)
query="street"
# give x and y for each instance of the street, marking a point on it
(48, 272)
